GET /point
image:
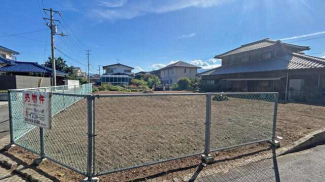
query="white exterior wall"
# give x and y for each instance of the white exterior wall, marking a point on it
(175, 73)
(71, 83)
(8, 55)
(117, 69)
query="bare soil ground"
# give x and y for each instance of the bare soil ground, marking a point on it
(136, 130)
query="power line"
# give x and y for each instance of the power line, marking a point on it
(16, 34)
(308, 39)
(72, 32)
(69, 57)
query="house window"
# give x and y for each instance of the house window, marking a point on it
(184, 70)
(127, 71)
(210, 82)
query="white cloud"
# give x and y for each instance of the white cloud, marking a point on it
(323, 55)
(160, 65)
(204, 65)
(213, 60)
(304, 36)
(138, 69)
(115, 10)
(187, 36)
(157, 66)
(112, 3)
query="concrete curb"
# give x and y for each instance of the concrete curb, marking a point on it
(312, 139)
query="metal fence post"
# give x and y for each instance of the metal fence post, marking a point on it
(274, 144)
(207, 157)
(275, 117)
(74, 91)
(41, 132)
(90, 137)
(63, 97)
(10, 118)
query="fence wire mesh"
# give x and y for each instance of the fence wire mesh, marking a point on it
(241, 118)
(132, 131)
(66, 142)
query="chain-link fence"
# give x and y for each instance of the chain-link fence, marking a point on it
(53, 144)
(105, 134)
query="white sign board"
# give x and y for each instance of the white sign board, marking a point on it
(37, 108)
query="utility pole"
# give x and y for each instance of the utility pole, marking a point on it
(99, 69)
(53, 28)
(88, 65)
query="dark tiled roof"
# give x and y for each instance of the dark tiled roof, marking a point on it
(180, 64)
(9, 50)
(259, 45)
(292, 61)
(118, 64)
(18, 66)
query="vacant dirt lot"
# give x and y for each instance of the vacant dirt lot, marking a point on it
(136, 130)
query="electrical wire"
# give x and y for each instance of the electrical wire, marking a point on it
(23, 33)
(69, 56)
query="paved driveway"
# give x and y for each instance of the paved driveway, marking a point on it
(4, 119)
(304, 166)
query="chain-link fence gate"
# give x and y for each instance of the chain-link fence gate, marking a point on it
(105, 134)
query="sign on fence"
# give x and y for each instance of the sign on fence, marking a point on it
(37, 108)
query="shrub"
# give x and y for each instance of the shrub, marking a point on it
(153, 81)
(184, 83)
(102, 87)
(138, 82)
(114, 88)
(95, 89)
(175, 86)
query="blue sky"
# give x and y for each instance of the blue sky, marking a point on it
(148, 34)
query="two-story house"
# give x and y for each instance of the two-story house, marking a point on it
(170, 74)
(116, 74)
(8, 53)
(267, 65)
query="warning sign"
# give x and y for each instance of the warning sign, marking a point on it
(37, 108)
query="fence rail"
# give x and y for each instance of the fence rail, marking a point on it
(101, 134)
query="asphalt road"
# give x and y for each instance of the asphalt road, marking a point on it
(4, 119)
(304, 166)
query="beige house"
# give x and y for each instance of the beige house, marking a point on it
(173, 72)
(7, 53)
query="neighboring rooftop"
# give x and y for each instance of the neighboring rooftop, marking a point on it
(29, 67)
(118, 64)
(180, 64)
(291, 61)
(259, 45)
(8, 50)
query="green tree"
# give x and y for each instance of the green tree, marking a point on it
(196, 83)
(138, 82)
(184, 83)
(60, 65)
(153, 81)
